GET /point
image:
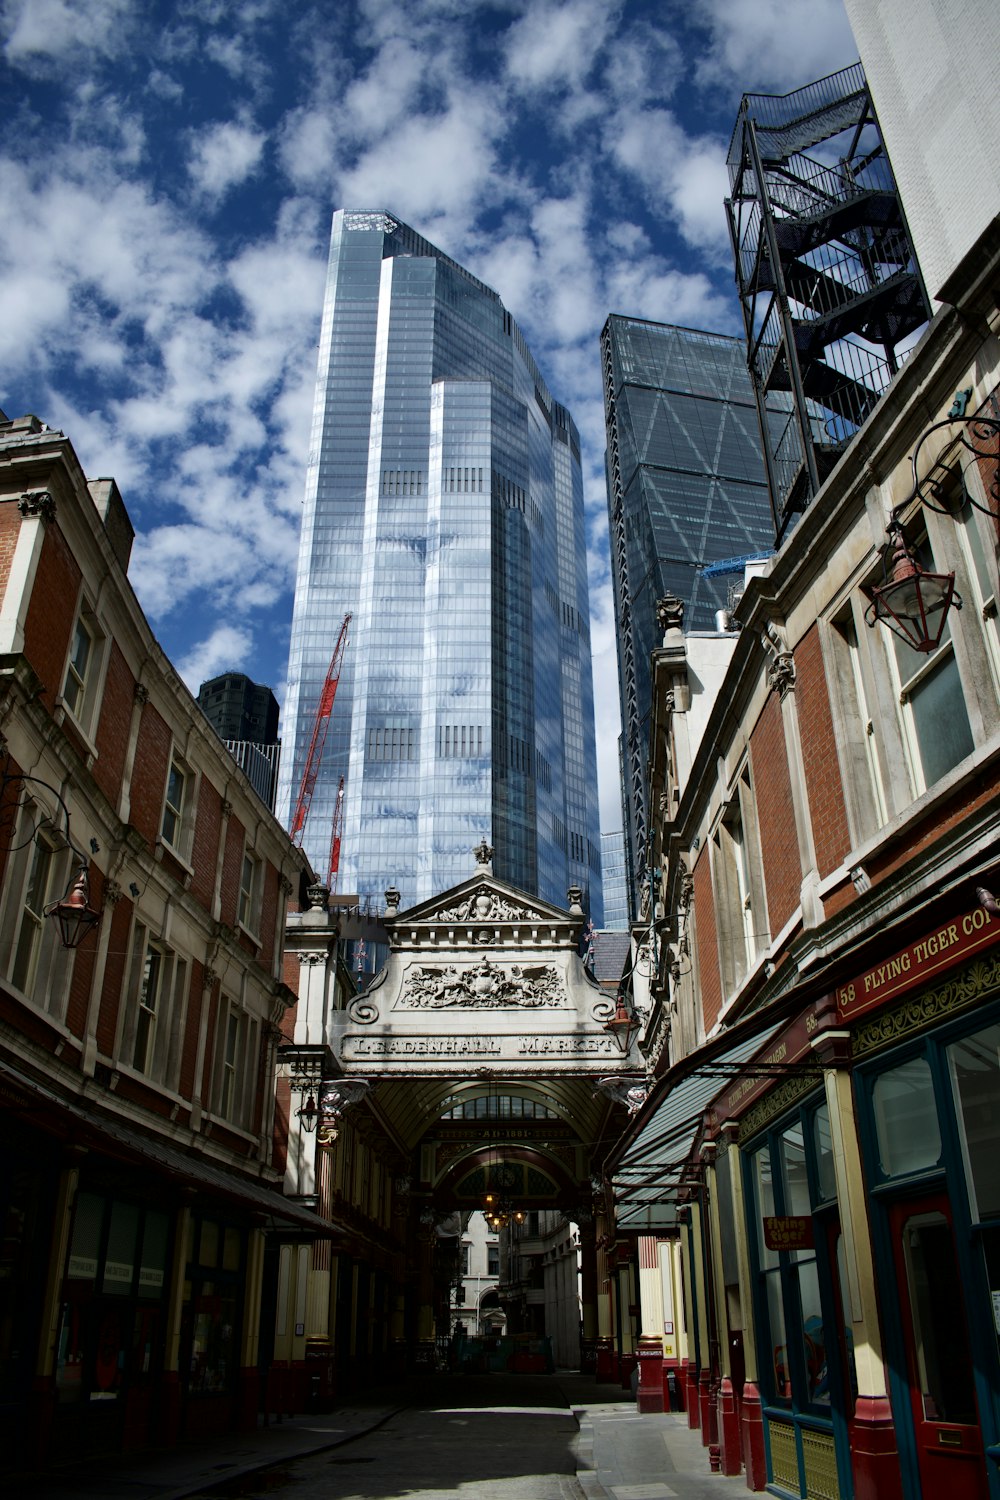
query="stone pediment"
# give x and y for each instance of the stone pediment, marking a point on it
(481, 911)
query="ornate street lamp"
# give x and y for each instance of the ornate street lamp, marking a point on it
(74, 914)
(308, 1114)
(622, 1024)
(911, 602)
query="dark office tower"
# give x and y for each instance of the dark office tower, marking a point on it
(244, 715)
(686, 489)
(444, 513)
(826, 272)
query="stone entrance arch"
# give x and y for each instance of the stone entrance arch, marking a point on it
(482, 1044)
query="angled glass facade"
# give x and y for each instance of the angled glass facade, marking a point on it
(686, 489)
(616, 917)
(444, 512)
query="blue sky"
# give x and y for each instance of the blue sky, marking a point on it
(167, 175)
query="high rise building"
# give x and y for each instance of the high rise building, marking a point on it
(244, 715)
(613, 879)
(444, 512)
(686, 489)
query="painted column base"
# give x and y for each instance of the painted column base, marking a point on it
(874, 1453)
(752, 1434)
(588, 1356)
(649, 1396)
(603, 1371)
(730, 1457)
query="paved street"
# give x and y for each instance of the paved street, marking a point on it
(493, 1437)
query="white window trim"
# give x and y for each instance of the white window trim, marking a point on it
(48, 979)
(250, 921)
(181, 849)
(162, 1064)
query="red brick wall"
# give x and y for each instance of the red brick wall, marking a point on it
(708, 942)
(51, 612)
(772, 787)
(113, 725)
(205, 848)
(149, 776)
(819, 755)
(232, 868)
(270, 896)
(10, 529)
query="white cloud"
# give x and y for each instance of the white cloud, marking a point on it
(224, 156)
(64, 30)
(556, 44)
(773, 45)
(227, 649)
(684, 177)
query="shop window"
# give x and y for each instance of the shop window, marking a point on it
(805, 1334)
(906, 1121)
(211, 1314)
(974, 1064)
(110, 1327)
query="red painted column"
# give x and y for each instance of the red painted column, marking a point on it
(689, 1375)
(752, 1429)
(730, 1457)
(649, 1397)
(874, 1454)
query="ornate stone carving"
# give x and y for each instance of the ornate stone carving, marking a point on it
(285, 886)
(227, 808)
(208, 978)
(483, 853)
(318, 896)
(362, 1010)
(670, 613)
(140, 694)
(392, 900)
(485, 905)
(334, 1100)
(37, 503)
(781, 673)
(483, 986)
(112, 893)
(632, 1092)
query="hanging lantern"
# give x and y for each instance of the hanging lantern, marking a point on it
(913, 603)
(74, 914)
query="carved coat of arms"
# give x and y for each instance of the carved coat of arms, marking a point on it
(483, 985)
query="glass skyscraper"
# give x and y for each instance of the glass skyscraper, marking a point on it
(444, 513)
(686, 489)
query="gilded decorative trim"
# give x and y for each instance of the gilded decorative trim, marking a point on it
(776, 1102)
(819, 1459)
(784, 1455)
(962, 990)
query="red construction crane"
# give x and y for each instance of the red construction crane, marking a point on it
(320, 727)
(338, 828)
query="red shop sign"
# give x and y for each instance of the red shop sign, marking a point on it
(919, 962)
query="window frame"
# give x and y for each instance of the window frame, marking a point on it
(160, 1064)
(83, 703)
(234, 1069)
(742, 924)
(42, 981)
(250, 894)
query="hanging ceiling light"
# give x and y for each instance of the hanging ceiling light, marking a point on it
(911, 602)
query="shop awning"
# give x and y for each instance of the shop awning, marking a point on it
(648, 1172)
(57, 1115)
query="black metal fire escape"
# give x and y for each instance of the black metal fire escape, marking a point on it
(827, 276)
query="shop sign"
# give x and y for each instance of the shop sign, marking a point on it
(919, 962)
(789, 1232)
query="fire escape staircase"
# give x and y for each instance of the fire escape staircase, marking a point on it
(826, 276)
